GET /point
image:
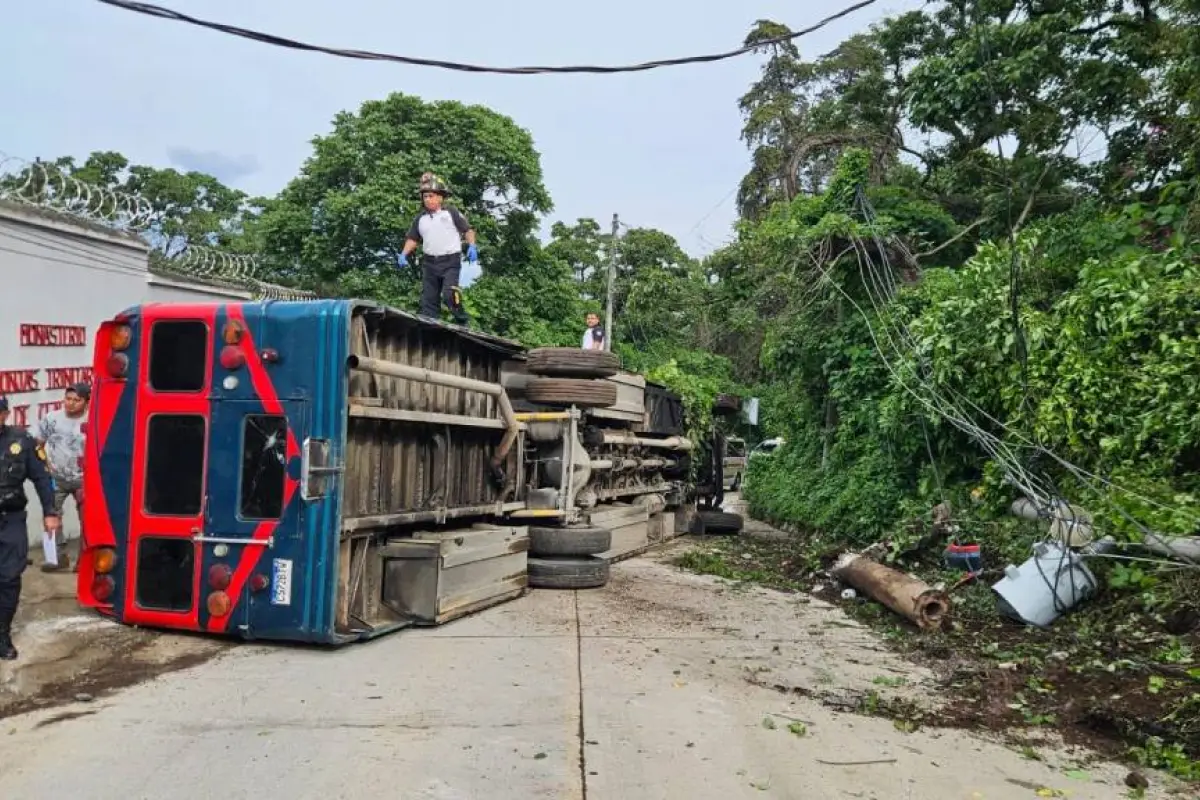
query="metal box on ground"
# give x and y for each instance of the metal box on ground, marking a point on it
(628, 523)
(661, 527)
(438, 576)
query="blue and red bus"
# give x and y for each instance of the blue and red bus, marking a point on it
(331, 470)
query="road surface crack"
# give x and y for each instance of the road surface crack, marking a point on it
(583, 783)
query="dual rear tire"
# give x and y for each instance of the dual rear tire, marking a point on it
(567, 558)
(569, 376)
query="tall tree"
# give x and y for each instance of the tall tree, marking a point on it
(355, 198)
(774, 110)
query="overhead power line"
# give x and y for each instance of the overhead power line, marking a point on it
(152, 10)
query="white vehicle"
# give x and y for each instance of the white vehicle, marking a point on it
(767, 447)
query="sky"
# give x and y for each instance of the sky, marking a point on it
(659, 148)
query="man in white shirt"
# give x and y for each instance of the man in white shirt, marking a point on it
(61, 433)
(593, 337)
(440, 233)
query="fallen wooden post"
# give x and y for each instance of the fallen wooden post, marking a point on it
(910, 598)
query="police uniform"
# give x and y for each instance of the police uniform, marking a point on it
(20, 460)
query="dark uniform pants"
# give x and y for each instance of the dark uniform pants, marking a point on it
(14, 553)
(439, 281)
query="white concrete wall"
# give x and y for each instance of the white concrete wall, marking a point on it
(55, 271)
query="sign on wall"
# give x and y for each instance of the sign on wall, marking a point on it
(17, 382)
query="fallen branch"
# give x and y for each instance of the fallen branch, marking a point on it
(912, 599)
(856, 763)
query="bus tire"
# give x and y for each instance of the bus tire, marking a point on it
(568, 573)
(554, 542)
(571, 392)
(726, 405)
(572, 362)
(719, 523)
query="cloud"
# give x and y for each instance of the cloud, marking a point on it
(227, 169)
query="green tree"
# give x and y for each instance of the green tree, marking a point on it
(355, 198)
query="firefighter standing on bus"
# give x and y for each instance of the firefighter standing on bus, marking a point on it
(21, 459)
(440, 233)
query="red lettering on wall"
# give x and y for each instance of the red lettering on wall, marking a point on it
(20, 416)
(62, 377)
(19, 381)
(35, 335)
(45, 408)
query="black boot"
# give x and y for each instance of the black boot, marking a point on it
(7, 651)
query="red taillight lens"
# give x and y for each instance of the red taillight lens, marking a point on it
(219, 576)
(102, 588)
(104, 559)
(219, 604)
(270, 355)
(258, 582)
(119, 337)
(232, 357)
(118, 365)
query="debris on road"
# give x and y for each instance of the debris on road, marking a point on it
(1051, 582)
(909, 597)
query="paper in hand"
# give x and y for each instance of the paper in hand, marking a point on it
(49, 548)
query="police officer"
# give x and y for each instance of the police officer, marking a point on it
(20, 460)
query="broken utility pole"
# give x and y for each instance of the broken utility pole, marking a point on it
(612, 277)
(909, 597)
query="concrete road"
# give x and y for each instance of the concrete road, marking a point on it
(658, 686)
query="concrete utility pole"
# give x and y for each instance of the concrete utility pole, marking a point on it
(612, 277)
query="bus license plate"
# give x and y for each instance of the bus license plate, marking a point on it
(281, 582)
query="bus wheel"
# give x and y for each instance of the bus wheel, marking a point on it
(568, 573)
(572, 362)
(719, 522)
(553, 542)
(571, 392)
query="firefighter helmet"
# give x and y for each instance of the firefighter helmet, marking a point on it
(432, 183)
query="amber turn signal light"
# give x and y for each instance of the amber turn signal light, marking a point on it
(103, 560)
(232, 332)
(119, 337)
(219, 604)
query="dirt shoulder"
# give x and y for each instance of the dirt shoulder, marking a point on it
(69, 653)
(1121, 684)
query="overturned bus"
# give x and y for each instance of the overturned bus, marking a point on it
(331, 470)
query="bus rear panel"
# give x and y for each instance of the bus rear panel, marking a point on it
(242, 479)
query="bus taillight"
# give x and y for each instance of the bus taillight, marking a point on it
(218, 604)
(103, 560)
(232, 332)
(119, 337)
(102, 588)
(118, 365)
(258, 582)
(232, 357)
(219, 576)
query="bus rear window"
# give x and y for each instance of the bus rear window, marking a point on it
(264, 466)
(165, 573)
(178, 355)
(175, 465)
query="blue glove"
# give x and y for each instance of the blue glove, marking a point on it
(472, 253)
(403, 260)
